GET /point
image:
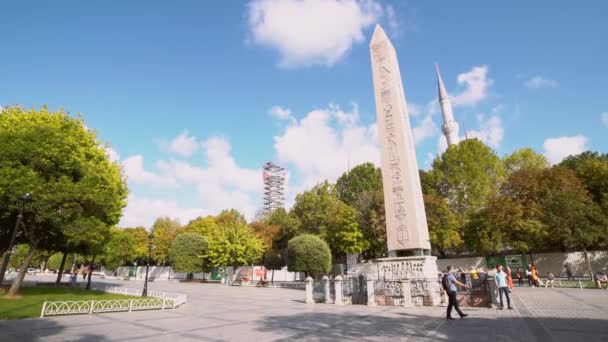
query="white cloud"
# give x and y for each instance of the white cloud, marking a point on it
(136, 174)
(605, 118)
(311, 32)
(559, 148)
(541, 82)
(322, 144)
(391, 18)
(475, 83)
(144, 211)
(112, 154)
(222, 184)
(183, 144)
(280, 112)
(490, 130)
(426, 129)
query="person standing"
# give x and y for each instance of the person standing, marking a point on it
(509, 279)
(529, 275)
(449, 283)
(503, 287)
(520, 277)
(568, 272)
(550, 279)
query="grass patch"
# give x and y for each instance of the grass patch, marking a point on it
(28, 303)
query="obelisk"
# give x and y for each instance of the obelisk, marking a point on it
(406, 227)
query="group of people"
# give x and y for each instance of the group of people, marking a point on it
(451, 282)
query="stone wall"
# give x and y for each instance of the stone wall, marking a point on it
(545, 262)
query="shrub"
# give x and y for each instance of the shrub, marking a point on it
(185, 253)
(308, 253)
(55, 262)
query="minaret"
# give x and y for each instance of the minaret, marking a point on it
(450, 126)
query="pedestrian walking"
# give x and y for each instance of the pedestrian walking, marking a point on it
(450, 284)
(520, 277)
(503, 287)
(529, 275)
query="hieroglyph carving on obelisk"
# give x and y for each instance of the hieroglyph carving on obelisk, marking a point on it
(406, 226)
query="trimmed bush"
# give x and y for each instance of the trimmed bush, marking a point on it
(55, 261)
(308, 253)
(185, 253)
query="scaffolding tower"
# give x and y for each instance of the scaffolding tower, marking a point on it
(274, 187)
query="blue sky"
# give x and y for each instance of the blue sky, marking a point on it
(194, 96)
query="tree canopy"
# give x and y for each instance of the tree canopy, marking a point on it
(186, 253)
(78, 192)
(321, 213)
(362, 178)
(233, 243)
(164, 231)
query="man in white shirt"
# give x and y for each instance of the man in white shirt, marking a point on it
(503, 287)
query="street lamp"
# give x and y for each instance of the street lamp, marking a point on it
(145, 292)
(23, 199)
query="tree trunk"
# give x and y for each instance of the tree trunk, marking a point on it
(23, 270)
(272, 277)
(588, 264)
(90, 272)
(60, 272)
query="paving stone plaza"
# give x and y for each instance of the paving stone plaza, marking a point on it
(222, 313)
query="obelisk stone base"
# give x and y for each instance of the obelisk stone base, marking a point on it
(420, 271)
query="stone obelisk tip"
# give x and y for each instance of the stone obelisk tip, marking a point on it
(379, 35)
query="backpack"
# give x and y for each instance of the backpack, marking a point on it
(444, 282)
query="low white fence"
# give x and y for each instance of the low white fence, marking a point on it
(156, 300)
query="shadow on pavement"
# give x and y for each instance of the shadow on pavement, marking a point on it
(27, 330)
(348, 326)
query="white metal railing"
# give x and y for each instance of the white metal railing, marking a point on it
(156, 300)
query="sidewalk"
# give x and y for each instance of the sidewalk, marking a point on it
(216, 312)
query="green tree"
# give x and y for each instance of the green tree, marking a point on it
(274, 259)
(571, 218)
(592, 169)
(443, 225)
(230, 216)
(19, 255)
(78, 192)
(363, 177)
(120, 250)
(466, 176)
(524, 159)
(287, 222)
(321, 213)
(310, 254)
(233, 243)
(201, 225)
(371, 216)
(269, 234)
(54, 262)
(164, 231)
(185, 253)
(140, 239)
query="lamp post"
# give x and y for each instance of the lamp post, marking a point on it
(145, 292)
(27, 197)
